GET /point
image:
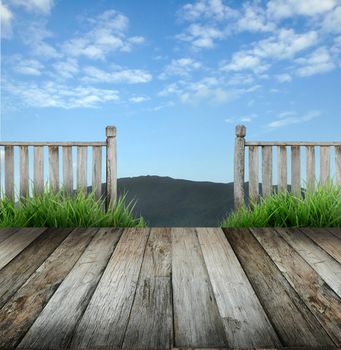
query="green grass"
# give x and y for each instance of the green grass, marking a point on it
(60, 210)
(315, 209)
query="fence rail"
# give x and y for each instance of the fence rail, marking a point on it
(295, 148)
(54, 162)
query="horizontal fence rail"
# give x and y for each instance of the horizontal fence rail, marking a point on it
(265, 166)
(60, 154)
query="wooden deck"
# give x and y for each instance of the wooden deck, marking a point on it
(170, 288)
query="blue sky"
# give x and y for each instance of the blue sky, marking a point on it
(174, 77)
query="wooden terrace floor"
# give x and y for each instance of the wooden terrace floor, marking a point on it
(170, 288)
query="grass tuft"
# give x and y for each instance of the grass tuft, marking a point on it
(61, 210)
(321, 208)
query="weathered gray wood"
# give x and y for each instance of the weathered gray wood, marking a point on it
(17, 272)
(67, 170)
(266, 170)
(196, 317)
(338, 164)
(97, 171)
(292, 320)
(48, 143)
(106, 317)
(82, 166)
(19, 313)
(336, 231)
(151, 324)
(239, 166)
(9, 172)
(324, 164)
(296, 171)
(282, 168)
(6, 232)
(326, 240)
(317, 258)
(111, 167)
(38, 170)
(246, 323)
(319, 298)
(310, 168)
(17, 242)
(54, 327)
(292, 143)
(253, 173)
(54, 167)
(24, 173)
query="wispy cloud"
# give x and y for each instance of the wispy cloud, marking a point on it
(181, 67)
(41, 6)
(139, 99)
(293, 119)
(6, 18)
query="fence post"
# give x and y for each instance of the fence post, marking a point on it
(239, 166)
(111, 167)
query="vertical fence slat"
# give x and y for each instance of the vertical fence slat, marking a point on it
(111, 166)
(38, 169)
(67, 170)
(253, 173)
(324, 164)
(296, 170)
(310, 167)
(338, 164)
(239, 166)
(97, 171)
(282, 168)
(82, 165)
(54, 167)
(24, 175)
(9, 172)
(266, 170)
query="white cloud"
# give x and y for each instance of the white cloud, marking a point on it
(319, 61)
(245, 61)
(284, 78)
(138, 99)
(293, 120)
(129, 76)
(66, 69)
(254, 19)
(280, 9)
(332, 21)
(6, 18)
(41, 6)
(180, 67)
(28, 66)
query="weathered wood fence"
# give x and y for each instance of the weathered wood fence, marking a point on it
(54, 160)
(282, 165)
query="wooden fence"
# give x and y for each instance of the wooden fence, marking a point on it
(282, 165)
(67, 163)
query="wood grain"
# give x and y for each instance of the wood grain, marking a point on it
(310, 167)
(282, 168)
(322, 301)
(54, 167)
(38, 170)
(9, 172)
(82, 166)
(111, 166)
(106, 317)
(97, 171)
(239, 166)
(20, 312)
(296, 171)
(266, 170)
(54, 327)
(24, 173)
(67, 169)
(246, 323)
(253, 173)
(151, 323)
(196, 317)
(6, 232)
(336, 231)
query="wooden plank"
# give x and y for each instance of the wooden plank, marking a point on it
(246, 324)
(310, 168)
(54, 167)
(292, 143)
(17, 272)
(19, 313)
(326, 240)
(253, 173)
(319, 298)
(151, 323)
(338, 164)
(282, 168)
(49, 143)
(17, 242)
(292, 320)
(82, 166)
(9, 172)
(6, 232)
(196, 317)
(67, 170)
(266, 170)
(54, 327)
(328, 269)
(106, 317)
(24, 173)
(38, 170)
(324, 164)
(336, 231)
(97, 171)
(111, 167)
(296, 171)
